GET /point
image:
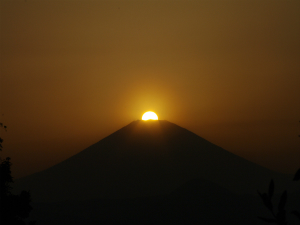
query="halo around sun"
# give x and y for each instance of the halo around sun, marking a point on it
(149, 116)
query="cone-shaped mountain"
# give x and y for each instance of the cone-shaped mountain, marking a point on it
(144, 158)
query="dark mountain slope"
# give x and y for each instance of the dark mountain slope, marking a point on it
(196, 202)
(145, 158)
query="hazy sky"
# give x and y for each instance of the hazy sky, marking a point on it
(73, 72)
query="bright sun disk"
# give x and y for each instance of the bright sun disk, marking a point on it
(149, 116)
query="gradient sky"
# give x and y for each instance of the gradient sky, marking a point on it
(73, 72)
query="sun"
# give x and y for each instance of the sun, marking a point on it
(149, 116)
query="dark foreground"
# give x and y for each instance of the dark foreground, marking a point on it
(197, 202)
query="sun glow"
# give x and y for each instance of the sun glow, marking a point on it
(149, 116)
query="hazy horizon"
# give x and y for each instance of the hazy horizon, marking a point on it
(74, 72)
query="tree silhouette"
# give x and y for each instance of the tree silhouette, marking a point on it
(279, 217)
(13, 208)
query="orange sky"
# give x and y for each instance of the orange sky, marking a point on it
(73, 72)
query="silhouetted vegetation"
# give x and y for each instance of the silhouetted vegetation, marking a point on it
(279, 217)
(1, 140)
(13, 208)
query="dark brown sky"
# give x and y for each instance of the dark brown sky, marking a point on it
(73, 72)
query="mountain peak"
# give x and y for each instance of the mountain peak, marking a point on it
(144, 158)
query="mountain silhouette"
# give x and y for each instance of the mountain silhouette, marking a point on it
(195, 202)
(145, 158)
